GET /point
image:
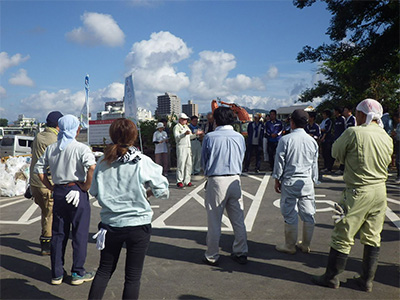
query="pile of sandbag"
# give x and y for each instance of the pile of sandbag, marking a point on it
(14, 176)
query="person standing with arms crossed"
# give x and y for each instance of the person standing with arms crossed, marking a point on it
(222, 156)
(295, 173)
(42, 195)
(366, 151)
(71, 165)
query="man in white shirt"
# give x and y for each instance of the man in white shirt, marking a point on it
(160, 139)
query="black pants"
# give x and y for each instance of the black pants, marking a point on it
(327, 155)
(271, 153)
(249, 152)
(137, 241)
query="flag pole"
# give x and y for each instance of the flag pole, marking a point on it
(87, 104)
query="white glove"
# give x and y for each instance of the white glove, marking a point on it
(339, 213)
(101, 238)
(73, 197)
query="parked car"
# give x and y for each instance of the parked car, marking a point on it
(14, 145)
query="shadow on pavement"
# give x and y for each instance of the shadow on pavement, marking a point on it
(193, 297)
(7, 240)
(20, 289)
(387, 274)
(25, 267)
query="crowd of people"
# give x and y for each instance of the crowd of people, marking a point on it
(64, 172)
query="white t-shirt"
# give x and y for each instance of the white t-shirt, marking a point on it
(158, 137)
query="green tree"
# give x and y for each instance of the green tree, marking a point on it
(363, 59)
(3, 122)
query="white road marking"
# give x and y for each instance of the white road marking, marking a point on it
(25, 217)
(255, 205)
(393, 201)
(249, 219)
(12, 203)
(393, 217)
(393, 186)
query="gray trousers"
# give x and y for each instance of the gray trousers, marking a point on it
(297, 198)
(225, 192)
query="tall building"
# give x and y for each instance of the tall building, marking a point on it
(168, 104)
(190, 109)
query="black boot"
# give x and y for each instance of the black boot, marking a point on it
(336, 264)
(45, 245)
(369, 266)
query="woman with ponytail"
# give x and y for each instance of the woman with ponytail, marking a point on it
(119, 182)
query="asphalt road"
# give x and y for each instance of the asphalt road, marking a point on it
(173, 267)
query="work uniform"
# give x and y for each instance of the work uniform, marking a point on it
(273, 127)
(41, 194)
(366, 152)
(67, 167)
(326, 144)
(183, 153)
(296, 167)
(221, 156)
(195, 145)
(254, 143)
(314, 130)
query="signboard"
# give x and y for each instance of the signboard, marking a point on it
(98, 133)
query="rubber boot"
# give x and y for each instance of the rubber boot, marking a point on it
(336, 264)
(45, 245)
(308, 230)
(369, 266)
(290, 240)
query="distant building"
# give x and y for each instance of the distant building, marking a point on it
(24, 122)
(190, 109)
(283, 112)
(144, 114)
(168, 104)
(112, 110)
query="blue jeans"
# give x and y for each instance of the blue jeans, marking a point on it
(137, 239)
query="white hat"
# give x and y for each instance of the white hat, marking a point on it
(183, 116)
(160, 125)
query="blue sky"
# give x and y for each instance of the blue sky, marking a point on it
(242, 51)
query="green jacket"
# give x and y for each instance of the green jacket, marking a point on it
(366, 152)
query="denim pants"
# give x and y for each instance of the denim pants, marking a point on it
(137, 239)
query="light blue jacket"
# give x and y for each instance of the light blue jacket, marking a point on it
(296, 158)
(120, 190)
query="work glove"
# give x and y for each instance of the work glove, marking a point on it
(73, 197)
(100, 236)
(339, 213)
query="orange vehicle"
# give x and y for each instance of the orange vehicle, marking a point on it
(241, 113)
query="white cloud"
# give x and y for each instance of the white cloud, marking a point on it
(72, 103)
(152, 63)
(272, 72)
(261, 102)
(3, 92)
(210, 76)
(98, 29)
(7, 62)
(21, 78)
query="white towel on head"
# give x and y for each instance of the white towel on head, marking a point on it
(373, 109)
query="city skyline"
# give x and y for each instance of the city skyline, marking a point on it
(241, 51)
